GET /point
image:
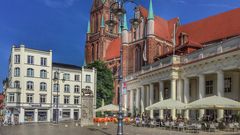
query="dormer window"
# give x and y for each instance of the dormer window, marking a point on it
(183, 38)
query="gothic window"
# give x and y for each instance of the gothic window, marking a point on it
(97, 46)
(92, 52)
(97, 22)
(138, 58)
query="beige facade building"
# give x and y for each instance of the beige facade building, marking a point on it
(32, 90)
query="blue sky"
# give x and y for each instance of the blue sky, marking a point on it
(61, 25)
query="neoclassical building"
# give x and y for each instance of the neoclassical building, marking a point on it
(166, 59)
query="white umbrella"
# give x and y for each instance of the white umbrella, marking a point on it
(166, 104)
(109, 108)
(214, 102)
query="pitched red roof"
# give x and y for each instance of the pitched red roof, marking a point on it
(113, 50)
(214, 27)
(162, 28)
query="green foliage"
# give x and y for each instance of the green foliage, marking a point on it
(104, 83)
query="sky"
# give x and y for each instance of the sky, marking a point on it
(61, 25)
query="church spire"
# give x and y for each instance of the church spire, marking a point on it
(89, 29)
(102, 22)
(125, 27)
(150, 11)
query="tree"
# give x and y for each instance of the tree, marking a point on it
(104, 82)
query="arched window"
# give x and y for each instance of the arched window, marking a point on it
(17, 72)
(30, 72)
(67, 88)
(43, 86)
(76, 89)
(30, 85)
(93, 52)
(17, 84)
(43, 74)
(97, 22)
(97, 46)
(138, 58)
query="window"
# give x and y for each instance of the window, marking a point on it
(30, 85)
(66, 99)
(138, 58)
(76, 100)
(66, 76)
(42, 98)
(56, 75)
(93, 52)
(66, 88)
(30, 60)
(30, 72)
(43, 61)
(56, 87)
(43, 86)
(209, 87)
(43, 74)
(66, 113)
(76, 89)
(227, 84)
(55, 99)
(76, 78)
(11, 97)
(17, 84)
(88, 78)
(17, 72)
(17, 59)
(29, 98)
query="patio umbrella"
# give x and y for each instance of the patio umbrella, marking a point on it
(109, 108)
(214, 102)
(166, 104)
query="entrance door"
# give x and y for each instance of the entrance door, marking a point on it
(54, 114)
(76, 115)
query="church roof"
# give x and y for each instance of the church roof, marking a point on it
(213, 28)
(113, 50)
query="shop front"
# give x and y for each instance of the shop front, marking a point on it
(29, 115)
(42, 115)
(66, 113)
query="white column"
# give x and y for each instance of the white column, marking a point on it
(72, 113)
(138, 100)
(201, 91)
(131, 102)
(220, 91)
(173, 96)
(161, 87)
(179, 92)
(186, 96)
(35, 115)
(48, 115)
(148, 96)
(151, 98)
(21, 115)
(142, 99)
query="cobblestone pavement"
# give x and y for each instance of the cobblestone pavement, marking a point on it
(72, 129)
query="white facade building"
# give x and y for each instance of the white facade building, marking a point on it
(31, 93)
(213, 70)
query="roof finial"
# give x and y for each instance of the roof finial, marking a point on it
(150, 11)
(88, 30)
(102, 22)
(125, 27)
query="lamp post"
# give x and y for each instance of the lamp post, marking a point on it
(117, 9)
(56, 80)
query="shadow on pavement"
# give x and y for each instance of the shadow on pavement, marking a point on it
(99, 130)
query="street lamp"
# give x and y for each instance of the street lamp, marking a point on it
(56, 80)
(117, 9)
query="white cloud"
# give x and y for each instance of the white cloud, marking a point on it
(59, 3)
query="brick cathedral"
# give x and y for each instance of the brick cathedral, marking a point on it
(155, 38)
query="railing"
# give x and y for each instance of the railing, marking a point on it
(208, 51)
(212, 49)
